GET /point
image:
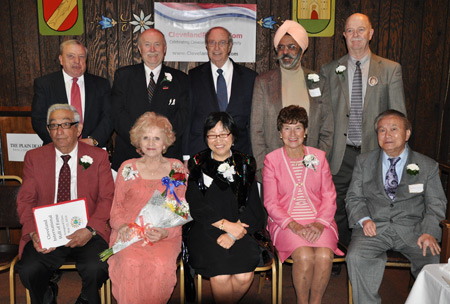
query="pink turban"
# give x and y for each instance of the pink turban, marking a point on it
(295, 30)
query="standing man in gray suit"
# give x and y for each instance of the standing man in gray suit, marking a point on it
(362, 85)
(395, 201)
(289, 84)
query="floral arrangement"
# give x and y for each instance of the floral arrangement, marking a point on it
(128, 173)
(226, 171)
(175, 179)
(412, 169)
(310, 161)
(167, 78)
(340, 70)
(85, 161)
(313, 78)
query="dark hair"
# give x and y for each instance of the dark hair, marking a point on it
(396, 113)
(291, 115)
(226, 120)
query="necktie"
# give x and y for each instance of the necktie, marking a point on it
(151, 87)
(75, 98)
(356, 108)
(64, 181)
(391, 182)
(222, 97)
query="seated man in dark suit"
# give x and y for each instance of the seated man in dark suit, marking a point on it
(395, 201)
(44, 184)
(89, 94)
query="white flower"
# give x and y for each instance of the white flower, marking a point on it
(142, 22)
(310, 161)
(412, 169)
(227, 171)
(85, 161)
(167, 78)
(340, 69)
(313, 77)
(128, 173)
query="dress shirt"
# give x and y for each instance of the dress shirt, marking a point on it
(68, 81)
(73, 162)
(227, 74)
(156, 73)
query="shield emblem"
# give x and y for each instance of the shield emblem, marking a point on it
(60, 17)
(317, 17)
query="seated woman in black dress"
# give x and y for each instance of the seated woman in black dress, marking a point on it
(224, 202)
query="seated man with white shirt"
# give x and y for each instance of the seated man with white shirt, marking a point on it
(53, 173)
(395, 201)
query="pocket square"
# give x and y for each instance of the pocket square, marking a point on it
(172, 102)
(416, 188)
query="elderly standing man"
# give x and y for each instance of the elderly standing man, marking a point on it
(395, 201)
(149, 86)
(52, 174)
(89, 94)
(219, 85)
(361, 85)
(289, 84)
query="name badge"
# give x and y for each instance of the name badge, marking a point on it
(315, 92)
(416, 188)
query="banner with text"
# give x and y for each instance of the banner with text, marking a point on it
(19, 144)
(185, 25)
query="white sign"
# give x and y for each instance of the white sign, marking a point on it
(55, 222)
(185, 25)
(19, 143)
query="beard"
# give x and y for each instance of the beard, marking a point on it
(293, 64)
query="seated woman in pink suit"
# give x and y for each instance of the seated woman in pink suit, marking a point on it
(300, 199)
(145, 273)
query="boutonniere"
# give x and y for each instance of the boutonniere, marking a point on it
(412, 169)
(226, 171)
(85, 161)
(128, 173)
(167, 78)
(313, 78)
(310, 161)
(340, 70)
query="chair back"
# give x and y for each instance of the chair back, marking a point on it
(8, 207)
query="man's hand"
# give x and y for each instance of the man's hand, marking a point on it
(36, 243)
(225, 241)
(79, 238)
(427, 240)
(369, 228)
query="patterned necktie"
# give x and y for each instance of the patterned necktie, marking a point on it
(356, 108)
(64, 181)
(391, 182)
(222, 97)
(151, 87)
(75, 98)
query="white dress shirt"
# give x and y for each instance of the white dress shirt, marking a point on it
(68, 81)
(73, 162)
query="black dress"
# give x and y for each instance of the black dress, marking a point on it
(233, 200)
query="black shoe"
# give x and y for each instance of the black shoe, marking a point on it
(336, 270)
(81, 300)
(51, 294)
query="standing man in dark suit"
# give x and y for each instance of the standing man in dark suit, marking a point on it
(361, 85)
(219, 85)
(89, 94)
(395, 201)
(148, 86)
(52, 174)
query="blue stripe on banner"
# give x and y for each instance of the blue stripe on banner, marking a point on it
(234, 15)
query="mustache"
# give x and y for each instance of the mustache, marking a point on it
(284, 56)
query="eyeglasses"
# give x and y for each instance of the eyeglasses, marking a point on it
(222, 44)
(64, 125)
(214, 136)
(290, 47)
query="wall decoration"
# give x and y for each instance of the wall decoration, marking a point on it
(60, 17)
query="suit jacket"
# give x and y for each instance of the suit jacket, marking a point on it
(38, 189)
(410, 214)
(130, 101)
(203, 97)
(266, 106)
(387, 94)
(50, 89)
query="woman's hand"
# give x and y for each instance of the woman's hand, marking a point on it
(123, 233)
(156, 234)
(298, 229)
(236, 229)
(225, 241)
(313, 232)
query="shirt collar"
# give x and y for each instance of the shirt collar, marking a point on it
(68, 78)
(226, 67)
(73, 154)
(155, 71)
(363, 60)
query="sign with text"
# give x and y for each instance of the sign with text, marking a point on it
(185, 25)
(18, 144)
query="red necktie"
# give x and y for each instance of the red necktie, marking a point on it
(64, 181)
(75, 98)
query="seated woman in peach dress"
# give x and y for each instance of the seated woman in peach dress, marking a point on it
(145, 273)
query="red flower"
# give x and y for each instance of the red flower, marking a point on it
(179, 176)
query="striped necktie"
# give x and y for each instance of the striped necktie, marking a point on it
(391, 182)
(356, 108)
(151, 87)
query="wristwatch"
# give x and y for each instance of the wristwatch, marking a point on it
(94, 141)
(92, 230)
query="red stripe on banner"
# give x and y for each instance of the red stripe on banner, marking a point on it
(199, 6)
(70, 20)
(49, 7)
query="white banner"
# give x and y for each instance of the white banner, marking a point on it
(185, 25)
(18, 144)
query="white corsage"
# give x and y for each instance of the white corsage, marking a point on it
(227, 171)
(310, 161)
(85, 161)
(167, 78)
(128, 173)
(340, 70)
(412, 169)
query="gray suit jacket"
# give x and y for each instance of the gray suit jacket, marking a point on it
(410, 214)
(388, 93)
(266, 106)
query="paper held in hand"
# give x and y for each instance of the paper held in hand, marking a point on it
(55, 222)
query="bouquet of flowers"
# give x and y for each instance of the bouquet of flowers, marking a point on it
(163, 210)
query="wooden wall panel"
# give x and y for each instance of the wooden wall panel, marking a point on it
(394, 43)
(7, 71)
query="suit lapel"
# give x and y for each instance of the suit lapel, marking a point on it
(343, 81)
(209, 84)
(374, 71)
(60, 88)
(89, 97)
(379, 177)
(275, 86)
(82, 177)
(403, 187)
(49, 161)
